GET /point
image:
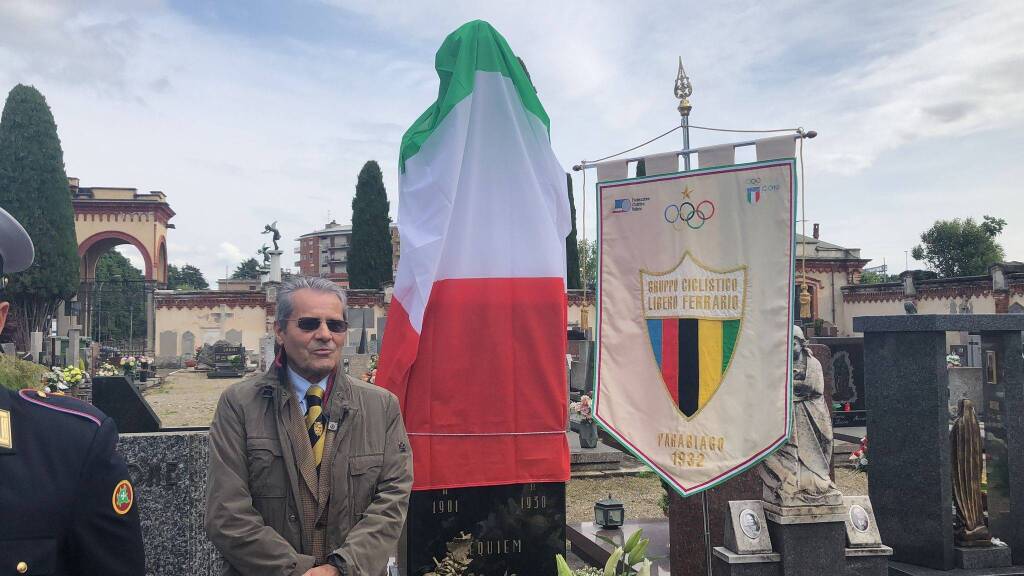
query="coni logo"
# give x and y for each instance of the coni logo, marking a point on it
(755, 188)
(695, 216)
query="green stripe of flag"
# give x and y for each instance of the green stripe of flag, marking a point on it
(730, 331)
(475, 47)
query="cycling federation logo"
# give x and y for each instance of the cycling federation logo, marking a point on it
(694, 215)
(632, 204)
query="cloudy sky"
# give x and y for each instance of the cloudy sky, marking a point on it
(248, 112)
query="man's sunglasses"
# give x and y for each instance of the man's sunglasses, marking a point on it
(313, 324)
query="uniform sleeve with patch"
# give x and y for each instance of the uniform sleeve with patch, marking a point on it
(106, 534)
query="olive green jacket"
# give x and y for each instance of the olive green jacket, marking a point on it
(254, 510)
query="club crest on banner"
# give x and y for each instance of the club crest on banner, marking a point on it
(693, 314)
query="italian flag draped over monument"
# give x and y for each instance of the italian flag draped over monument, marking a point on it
(475, 340)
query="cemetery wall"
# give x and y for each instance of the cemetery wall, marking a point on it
(206, 317)
(894, 307)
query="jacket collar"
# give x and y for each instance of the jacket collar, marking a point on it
(344, 388)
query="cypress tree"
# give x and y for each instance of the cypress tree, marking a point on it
(34, 189)
(369, 259)
(572, 252)
(641, 168)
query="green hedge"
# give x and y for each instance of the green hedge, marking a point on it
(17, 374)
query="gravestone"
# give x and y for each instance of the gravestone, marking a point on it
(168, 345)
(168, 471)
(121, 400)
(847, 361)
(188, 344)
(581, 374)
(267, 351)
(965, 383)
(513, 529)
(908, 425)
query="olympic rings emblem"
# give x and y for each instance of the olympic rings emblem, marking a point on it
(687, 212)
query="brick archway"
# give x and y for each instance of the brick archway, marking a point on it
(90, 249)
(106, 217)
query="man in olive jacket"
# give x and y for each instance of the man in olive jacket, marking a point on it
(310, 470)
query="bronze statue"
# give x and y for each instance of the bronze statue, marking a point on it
(967, 461)
(797, 474)
(272, 229)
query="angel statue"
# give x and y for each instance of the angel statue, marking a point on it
(797, 474)
(272, 229)
(265, 252)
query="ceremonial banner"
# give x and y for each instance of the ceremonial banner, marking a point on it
(694, 319)
(475, 343)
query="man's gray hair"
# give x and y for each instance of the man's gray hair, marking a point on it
(295, 283)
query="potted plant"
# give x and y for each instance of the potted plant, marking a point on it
(144, 363)
(630, 559)
(587, 427)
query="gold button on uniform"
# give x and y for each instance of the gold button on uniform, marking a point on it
(22, 567)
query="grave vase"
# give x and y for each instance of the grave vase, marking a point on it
(588, 434)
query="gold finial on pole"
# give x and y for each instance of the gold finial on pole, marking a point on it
(683, 90)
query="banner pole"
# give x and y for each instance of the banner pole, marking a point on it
(683, 91)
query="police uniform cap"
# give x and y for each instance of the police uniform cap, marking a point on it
(16, 248)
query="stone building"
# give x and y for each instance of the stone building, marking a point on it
(829, 268)
(325, 252)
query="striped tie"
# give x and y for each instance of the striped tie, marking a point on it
(315, 421)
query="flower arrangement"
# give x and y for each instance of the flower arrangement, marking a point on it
(583, 408)
(73, 375)
(144, 361)
(952, 361)
(106, 369)
(860, 455)
(128, 362)
(59, 379)
(371, 370)
(54, 380)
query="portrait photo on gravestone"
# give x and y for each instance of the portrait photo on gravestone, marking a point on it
(450, 289)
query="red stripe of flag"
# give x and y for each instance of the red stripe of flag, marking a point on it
(670, 356)
(486, 399)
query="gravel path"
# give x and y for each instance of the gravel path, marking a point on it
(187, 398)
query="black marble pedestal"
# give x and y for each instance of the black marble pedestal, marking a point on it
(516, 529)
(118, 398)
(809, 548)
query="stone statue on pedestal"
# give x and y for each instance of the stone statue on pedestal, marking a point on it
(967, 462)
(272, 229)
(797, 474)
